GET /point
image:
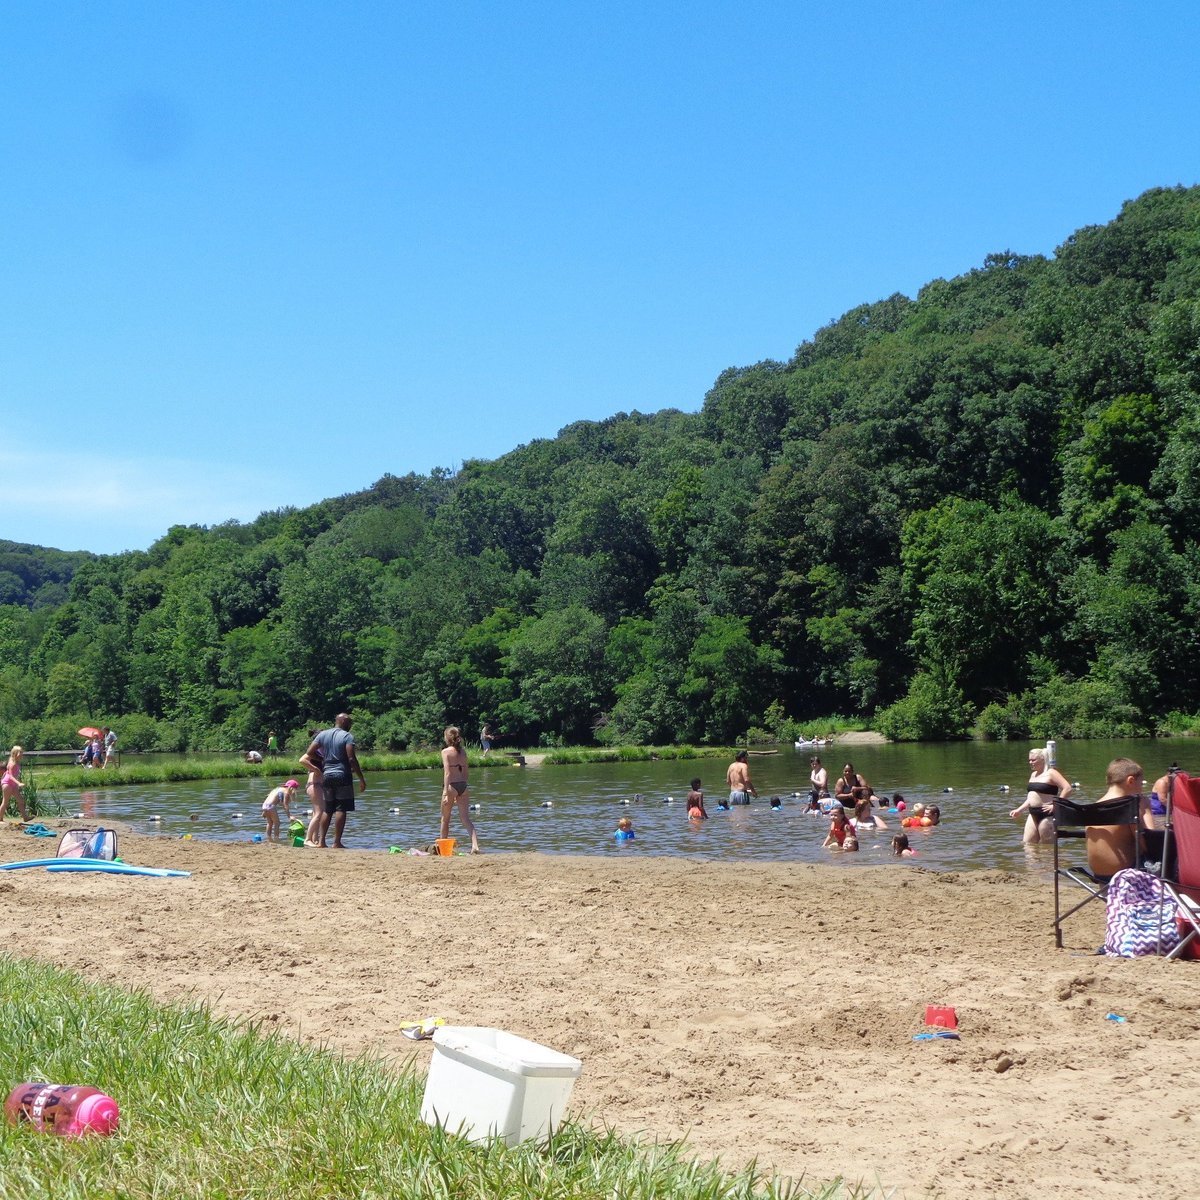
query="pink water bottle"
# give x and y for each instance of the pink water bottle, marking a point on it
(62, 1108)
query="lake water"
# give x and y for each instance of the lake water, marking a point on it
(586, 802)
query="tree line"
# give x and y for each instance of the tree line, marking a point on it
(974, 512)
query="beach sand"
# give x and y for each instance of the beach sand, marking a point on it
(764, 1011)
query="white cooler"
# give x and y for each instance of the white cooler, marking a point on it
(486, 1083)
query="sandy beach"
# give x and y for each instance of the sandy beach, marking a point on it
(763, 1011)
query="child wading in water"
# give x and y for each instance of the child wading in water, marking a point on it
(454, 785)
(695, 803)
(900, 846)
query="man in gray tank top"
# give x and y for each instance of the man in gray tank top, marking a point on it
(336, 748)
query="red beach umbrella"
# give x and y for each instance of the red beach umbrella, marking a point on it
(89, 731)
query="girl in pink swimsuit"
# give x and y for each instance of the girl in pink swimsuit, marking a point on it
(11, 787)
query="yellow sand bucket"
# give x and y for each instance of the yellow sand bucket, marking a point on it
(445, 846)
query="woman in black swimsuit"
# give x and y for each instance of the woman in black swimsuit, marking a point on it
(1046, 784)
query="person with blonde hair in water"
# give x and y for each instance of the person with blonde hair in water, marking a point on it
(1046, 784)
(454, 785)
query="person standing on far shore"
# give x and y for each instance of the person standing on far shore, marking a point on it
(110, 746)
(339, 759)
(454, 785)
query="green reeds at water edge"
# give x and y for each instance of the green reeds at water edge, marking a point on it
(212, 1109)
(589, 754)
(41, 801)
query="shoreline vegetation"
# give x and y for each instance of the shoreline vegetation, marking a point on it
(71, 778)
(181, 771)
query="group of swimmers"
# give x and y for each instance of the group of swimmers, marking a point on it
(851, 791)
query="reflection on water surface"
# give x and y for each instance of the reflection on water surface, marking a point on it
(964, 779)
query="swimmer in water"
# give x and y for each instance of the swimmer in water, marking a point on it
(695, 803)
(841, 832)
(624, 829)
(900, 846)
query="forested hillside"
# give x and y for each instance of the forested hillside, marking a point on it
(973, 511)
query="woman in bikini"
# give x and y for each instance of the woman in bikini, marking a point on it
(454, 785)
(1046, 784)
(315, 790)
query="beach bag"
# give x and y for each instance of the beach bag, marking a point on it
(88, 843)
(1140, 916)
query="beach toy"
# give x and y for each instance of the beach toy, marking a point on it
(185, 837)
(445, 846)
(421, 1030)
(63, 1108)
(941, 1014)
(258, 837)
(941, 1033)
(42, 862)
(1114, 1017)
(297, 839)
(72, 865)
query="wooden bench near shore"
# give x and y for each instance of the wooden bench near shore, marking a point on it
(59, 758)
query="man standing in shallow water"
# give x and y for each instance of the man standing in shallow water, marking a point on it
(334, 748)
(738, 778)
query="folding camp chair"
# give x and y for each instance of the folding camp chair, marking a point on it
(1073, 820)
(1181, 859)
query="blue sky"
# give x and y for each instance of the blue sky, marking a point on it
(257, 254)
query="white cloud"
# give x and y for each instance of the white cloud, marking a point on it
(103, 502)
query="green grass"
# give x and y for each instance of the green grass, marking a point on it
(212, 1109)
(590, 754)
